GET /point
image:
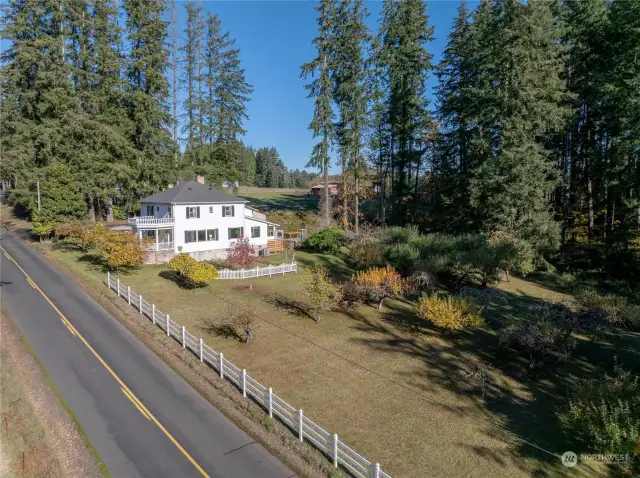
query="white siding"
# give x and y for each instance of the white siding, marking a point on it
(206, 220)
(257, 241)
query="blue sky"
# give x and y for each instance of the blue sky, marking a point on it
(274, 38)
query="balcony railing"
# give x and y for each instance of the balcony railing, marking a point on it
(151, 221)
(162, 246)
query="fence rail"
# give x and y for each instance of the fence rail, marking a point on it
(293, 418)
(258, 271)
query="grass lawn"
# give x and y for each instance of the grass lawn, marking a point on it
(270, 201)
(391, 388)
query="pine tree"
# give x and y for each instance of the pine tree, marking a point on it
(147, 94)
(320, 88)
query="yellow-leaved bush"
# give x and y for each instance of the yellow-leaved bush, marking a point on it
(192, 271)
(378, 283)
(451, 313)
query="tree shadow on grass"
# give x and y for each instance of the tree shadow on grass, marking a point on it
(519, 401)
(283, 202)
(291, 306)
(338, 271)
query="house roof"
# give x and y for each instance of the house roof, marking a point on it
(192, 192)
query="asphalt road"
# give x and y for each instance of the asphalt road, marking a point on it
(142, 418)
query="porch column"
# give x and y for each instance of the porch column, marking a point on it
(157, 246)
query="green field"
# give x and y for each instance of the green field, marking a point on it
(267, 202)
(392, 388)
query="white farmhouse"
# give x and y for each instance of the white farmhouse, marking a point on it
(198, 219)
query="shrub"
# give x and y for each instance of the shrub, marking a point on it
(450, 313)
(609, 308)
(604, 414)
(350, 295)
(242, 254)
(327, 240)
(194, 272)
(366, 251)
(402, 256)
(423, 281)
(320, 290)
(63, 230)
(537, 341)
(41, 229)
(379, 283)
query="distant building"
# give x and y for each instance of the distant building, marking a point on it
(318, 189)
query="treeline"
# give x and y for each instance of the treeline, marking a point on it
(535, 129)
(91, 118)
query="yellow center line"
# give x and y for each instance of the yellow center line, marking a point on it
(136, 401)
(69, 326)
(126, 394)
(31, 283)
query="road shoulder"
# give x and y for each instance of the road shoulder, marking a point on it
(62, 450)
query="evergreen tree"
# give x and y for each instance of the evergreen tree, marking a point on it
(192, 80)
(147, 93)
(320, 88)
(405, 61)
(512, 185)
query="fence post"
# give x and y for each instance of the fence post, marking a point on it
(109, 279)
(242, 272)
(201, 350)
(376, 471)
(140, 303)
(270, 402)
(300, 415)
(153, 313)
(168, 332)
(335, 450)
(269, 270)
(257, 271)
(244, 383)
(221, 365)
(184, 338)
(129, 294)
(118, 287)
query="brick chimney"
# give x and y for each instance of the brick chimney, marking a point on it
(200, 179)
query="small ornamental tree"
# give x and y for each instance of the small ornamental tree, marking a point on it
(321, 291)
(242, 254)
(191, 271)
(41, 229)
(123, 250)
(379, 283)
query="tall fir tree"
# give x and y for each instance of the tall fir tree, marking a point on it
(511, 187)
(320, 89)
(192, 80)
(147, 94)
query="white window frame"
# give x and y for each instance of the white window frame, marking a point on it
(252, 229)
(210, 209)
(186, 241)
(228, 211)
(216, 235)
(241, 236)
(271, 229)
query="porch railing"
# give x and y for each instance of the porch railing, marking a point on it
(150, 221)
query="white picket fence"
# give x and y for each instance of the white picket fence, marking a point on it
(258, 271)
(293, 418)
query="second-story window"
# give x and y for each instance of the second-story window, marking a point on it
(193, 212)
(228, 211)
(149, 210)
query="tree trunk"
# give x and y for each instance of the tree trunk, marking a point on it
(174, 60)
(110, 211)
(325, 175)
(92, 210)
(590, 206)
(317, 318)
(356, 205)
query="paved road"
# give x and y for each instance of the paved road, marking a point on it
(101, 369)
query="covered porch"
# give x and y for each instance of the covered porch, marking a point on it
(161, 239)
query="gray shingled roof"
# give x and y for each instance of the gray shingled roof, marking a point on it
(192, 192)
